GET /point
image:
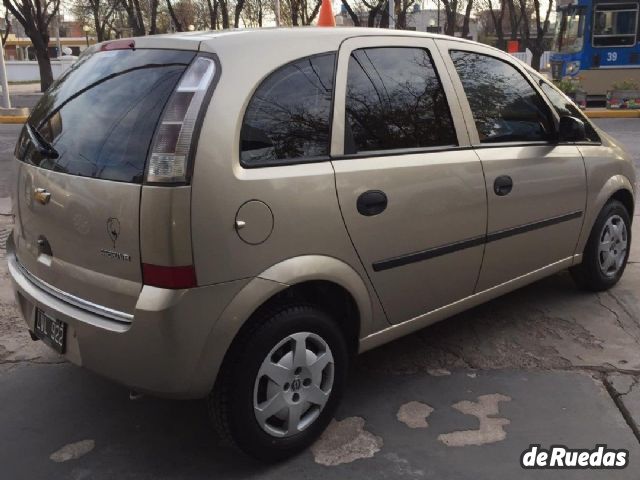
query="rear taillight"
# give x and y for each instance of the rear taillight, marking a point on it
(169, 277)
(169, 156)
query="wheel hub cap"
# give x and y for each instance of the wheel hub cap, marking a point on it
(612, 248)
(293, 384)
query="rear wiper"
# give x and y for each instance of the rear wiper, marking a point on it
(44, 148)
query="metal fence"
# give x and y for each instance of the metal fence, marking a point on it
(527, 55)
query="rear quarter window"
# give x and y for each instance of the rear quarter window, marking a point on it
(101, 115)
(288, 117)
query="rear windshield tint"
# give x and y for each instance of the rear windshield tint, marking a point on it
(101, 115)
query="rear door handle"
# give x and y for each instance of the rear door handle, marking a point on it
(41, 196)
(372, 202)
(503, 185)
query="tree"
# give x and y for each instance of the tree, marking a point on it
(451, 10)
(354, 16)
(402, 7)
(35, 17)
(101, 12)
(450, 16)
(497, 19)
(465, 21)
(134, 16)
(541, 24)
(213, 14)
(515, 17)
(7, 27)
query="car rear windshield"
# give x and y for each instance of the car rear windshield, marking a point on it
(100, 116)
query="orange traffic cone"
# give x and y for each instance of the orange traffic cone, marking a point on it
(325, 17)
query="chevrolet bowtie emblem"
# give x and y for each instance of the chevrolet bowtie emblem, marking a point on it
(41, 195)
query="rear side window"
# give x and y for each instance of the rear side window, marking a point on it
(395, 101)
(566, 107)
(101, 115)
(287, 120)
(505, 106)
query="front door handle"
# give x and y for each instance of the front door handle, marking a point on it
(503, 185)
(372, 202)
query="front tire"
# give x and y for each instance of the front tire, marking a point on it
(281, 382)
(605, 255)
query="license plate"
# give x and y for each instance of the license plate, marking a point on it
(50, 331)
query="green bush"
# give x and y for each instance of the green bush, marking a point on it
(569, 85)
(629, 84)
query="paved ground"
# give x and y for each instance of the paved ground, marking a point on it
(462, 399)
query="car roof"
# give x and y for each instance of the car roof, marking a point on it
(239, 37)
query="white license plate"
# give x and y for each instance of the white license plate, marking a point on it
(50, 331)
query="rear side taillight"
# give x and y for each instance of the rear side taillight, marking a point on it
(169, 156)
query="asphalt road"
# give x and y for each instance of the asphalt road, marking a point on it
(462, 399)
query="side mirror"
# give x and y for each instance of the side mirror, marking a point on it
(571, 129)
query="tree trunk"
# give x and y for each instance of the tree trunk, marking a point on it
(224, 11)
(153, 28)
(314, 13)
(536, 56)
(467, 15)
(516, 14)
(238, 10)
(44, 63)
(7, 31)
(373, 13)
(98, 26)
(172, 13)
(212, 16)
(450, 23)
(139, 30)
(384, 18)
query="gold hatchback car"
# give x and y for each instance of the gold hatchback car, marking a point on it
(234, 215)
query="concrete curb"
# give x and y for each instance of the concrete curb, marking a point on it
(602, 113)
(11, 119)
(13, 115)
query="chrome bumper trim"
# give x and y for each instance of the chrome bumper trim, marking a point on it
(109, 313)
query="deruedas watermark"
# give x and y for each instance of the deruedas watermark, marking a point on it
(562, 457)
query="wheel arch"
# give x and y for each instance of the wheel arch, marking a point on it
(306, 278)
(616, 187)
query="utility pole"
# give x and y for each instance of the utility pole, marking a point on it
(277, 12)
(59, 45)
(6, 101)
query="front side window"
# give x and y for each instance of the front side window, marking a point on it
(505, 106)
(395, 101)
(614, 25)
(566, 107)
(287, 119)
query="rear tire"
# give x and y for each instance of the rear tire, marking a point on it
(605, 255)
(273, 362)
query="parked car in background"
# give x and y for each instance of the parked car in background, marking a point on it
(192, 224)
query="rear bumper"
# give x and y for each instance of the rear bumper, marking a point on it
(157, 352)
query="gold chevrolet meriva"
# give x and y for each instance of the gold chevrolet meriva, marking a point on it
(234, 215)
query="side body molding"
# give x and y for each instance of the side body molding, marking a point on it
(260, 289)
